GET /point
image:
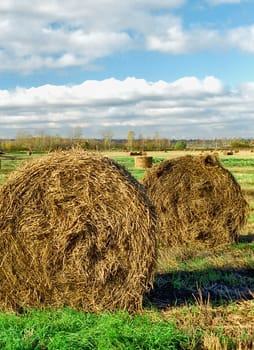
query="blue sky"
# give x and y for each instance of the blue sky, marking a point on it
(180, 68)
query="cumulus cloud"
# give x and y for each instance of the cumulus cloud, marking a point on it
(173, 39)
(243, 38)
(54, 34)
(188, 107)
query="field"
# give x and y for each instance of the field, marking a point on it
(201, 299)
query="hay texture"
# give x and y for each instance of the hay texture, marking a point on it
(75, 230)
(143, 162)
(197, 200)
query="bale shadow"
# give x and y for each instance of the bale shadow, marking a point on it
(246, 238)
(216, 286)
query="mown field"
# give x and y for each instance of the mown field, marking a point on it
(201, 299)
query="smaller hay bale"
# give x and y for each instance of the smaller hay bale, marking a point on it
(136, 153)
(197, 200)
(228, 153)
(143, 162)
(75, 230)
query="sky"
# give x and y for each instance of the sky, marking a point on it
(182, 69)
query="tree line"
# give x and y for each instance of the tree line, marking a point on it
(41, 142)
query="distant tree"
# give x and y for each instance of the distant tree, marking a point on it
(85, 144)
(130, 140)
(239, 143)
(169, 143)
(8, 146)
(180, 145)
(163, 144)
(159, 143)
(39, 141)
(107, 135)
(24, 140)
(148, 143)
(141, 142)
(156, 141)
(77, 133)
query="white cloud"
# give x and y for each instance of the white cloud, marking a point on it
(172, 38)
(188, 107)
(221, 2)
(243, 38)
(193, 86)
(54, 34)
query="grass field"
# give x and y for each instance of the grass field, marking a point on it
(201, 299)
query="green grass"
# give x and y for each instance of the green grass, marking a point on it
(9, 165)
(244, 176)
(6, 167)
(70, 329)
(237, 162)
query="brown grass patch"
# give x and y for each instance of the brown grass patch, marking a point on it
(219, 324)
(76, 230)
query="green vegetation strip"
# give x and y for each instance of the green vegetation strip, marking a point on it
(70, 329)
(237, 162)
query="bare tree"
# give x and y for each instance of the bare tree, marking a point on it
(130, 140)
(77, 133)
(107, 135)
(156, 141)
(24, 139)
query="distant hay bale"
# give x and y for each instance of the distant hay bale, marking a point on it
(228, 153)
(143, 162)
(75, 230)
(196, 200)
(136, 153)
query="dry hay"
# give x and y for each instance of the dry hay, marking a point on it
(143, 162)
(197, 200)
(76, 230)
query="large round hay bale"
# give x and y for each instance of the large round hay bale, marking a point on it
(197, 200)
(75, 230)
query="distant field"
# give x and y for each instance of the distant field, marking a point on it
(10, 162)
(178, 153)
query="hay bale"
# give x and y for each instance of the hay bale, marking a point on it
(197, 200)
(143, 162)
(228, 153)
(76, 230)
(136, 153)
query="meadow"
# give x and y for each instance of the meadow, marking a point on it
(202, 299)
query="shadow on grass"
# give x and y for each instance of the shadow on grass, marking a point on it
(218, 286)
(246, 239)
